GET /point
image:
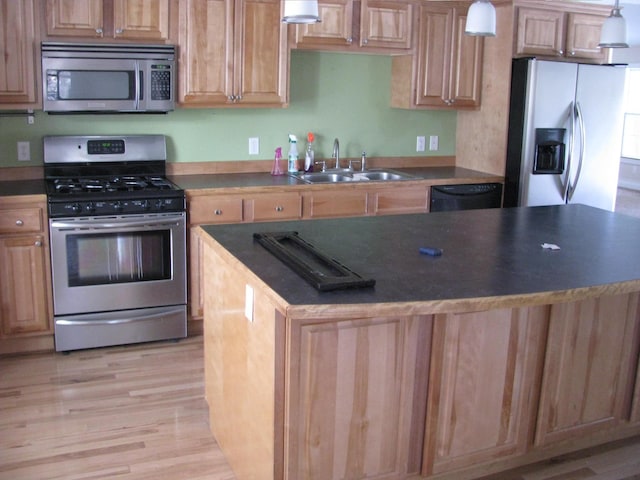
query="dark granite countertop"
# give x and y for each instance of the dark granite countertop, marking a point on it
(487, 253)
(22, 187)
(243, 180)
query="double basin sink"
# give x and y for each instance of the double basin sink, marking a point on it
(348, 175)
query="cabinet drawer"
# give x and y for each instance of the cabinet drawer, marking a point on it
(281, 206)
(215, 209)
(21, 220)
(396, 201)
(335, 204)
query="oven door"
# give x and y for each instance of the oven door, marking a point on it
(118, 263)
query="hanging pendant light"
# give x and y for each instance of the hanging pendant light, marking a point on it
(301, 11)
(481, 19)
(614, 30)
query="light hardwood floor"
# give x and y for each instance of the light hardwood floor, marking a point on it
(138, 412)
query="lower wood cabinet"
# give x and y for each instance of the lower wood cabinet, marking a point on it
(356, 397)
(482, 386)
(25, 278)
(591, 359)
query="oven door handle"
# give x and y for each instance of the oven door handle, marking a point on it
(110, 321)
(103, 225)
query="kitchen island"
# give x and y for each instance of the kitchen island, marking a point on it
(501, 351)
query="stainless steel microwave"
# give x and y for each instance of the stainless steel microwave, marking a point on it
(108, 78)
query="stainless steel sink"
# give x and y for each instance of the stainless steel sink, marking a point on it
(355, 176)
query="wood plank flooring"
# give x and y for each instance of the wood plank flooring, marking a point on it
(138, 412)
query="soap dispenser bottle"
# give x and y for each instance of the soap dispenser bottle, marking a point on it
(293, 154)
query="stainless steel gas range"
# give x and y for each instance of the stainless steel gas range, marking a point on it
(118, 241)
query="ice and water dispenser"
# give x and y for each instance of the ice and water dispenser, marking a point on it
(549, 151)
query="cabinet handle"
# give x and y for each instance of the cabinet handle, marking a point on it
(217, 211)
(119, 31)
(279, 208)
(572, 54)
(350, 40)
(365, 41)
(560, 52)
(99, 31)
(19, 223)
(231, 98)
(38, 243)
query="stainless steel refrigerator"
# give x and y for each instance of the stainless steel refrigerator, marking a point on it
(565, 133)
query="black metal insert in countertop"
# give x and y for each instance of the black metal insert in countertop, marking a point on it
(321, 271)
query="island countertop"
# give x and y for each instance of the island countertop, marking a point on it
(486, 254)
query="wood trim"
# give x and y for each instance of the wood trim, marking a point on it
(21, 173)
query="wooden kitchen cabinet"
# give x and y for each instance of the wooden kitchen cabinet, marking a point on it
(589, 369)
(272, 207)
(19, 47)
(391, 201)
(481, 391)
(117, 19)
(367, 25)
(446, 70)
(232, 53)
(560, 33)
(25, 278)
(356, 392)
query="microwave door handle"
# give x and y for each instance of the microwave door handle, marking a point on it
(137, 84)
(574, 184)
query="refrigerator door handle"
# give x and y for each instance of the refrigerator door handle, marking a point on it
(572, 131)
(574, 184)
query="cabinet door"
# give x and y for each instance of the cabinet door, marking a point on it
(540, 32)
(589, 365)
(401, 200)
(583, 36)
(23, 285)
(482, 384)
(335, 29)
(214, 209)
(206, 52)
(386, 24)
(466, 66)
(261, 54)
(75, 18)
(141, 19)
(356, 392)
(434, 56)
(329, 204)
(18, 72)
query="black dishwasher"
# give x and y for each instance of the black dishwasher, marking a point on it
(465, 196)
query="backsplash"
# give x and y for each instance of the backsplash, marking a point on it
(332, 95)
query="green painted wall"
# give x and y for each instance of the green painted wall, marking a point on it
(332, 95)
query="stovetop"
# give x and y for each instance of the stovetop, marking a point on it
(108, 176)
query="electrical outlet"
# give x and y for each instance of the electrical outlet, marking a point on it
(433, 143)
(254, 145)
(420, 143)
(24, 151)
(248, 302)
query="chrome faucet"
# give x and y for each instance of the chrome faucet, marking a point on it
(336, 152)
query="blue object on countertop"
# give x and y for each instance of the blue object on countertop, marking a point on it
(432, 251)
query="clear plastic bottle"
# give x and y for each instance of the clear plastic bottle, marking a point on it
(293, 154)
(276, 169)
(309, 156)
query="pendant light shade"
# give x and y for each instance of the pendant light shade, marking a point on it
(301, 11)
(614, 30)
(481, 19)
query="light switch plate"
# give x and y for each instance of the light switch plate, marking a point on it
(433, 143)
(420, 143)
(24, 151)
(254, 146)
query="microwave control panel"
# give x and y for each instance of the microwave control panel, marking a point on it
(160, 82)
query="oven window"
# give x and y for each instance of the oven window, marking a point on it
(97, 259)
(96, 85)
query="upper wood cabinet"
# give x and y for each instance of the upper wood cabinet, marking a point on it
(18, 49)
(367, 25)
(121, 19)
(557, 33)
(446, 70)
(232, 52)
